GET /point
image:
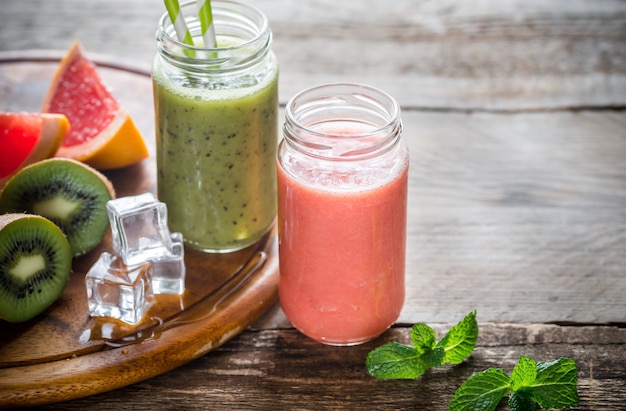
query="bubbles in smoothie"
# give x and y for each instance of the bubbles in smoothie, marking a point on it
(349, 179)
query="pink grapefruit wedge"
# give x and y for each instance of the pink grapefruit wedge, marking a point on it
(26, 138)
(103, 135)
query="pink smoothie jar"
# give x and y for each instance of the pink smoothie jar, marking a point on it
(342, 172)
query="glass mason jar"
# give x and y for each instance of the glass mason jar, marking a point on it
(342, 199)
(216, 112)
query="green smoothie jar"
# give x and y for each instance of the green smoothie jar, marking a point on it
(216, 112)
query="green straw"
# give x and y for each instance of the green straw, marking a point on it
(205, 15)
(178, 20)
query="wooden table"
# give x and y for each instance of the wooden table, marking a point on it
(514, 113)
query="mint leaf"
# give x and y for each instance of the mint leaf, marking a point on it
(555, 384)
(423, 338)
(433, 358)
(393, 360)
(551, 385)
(460, 341)
(524, 373)
(482, 391)
(521, 401)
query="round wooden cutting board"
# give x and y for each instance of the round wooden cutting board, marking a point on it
(64, 353)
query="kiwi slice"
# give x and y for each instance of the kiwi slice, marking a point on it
(67, 192)
(35, 264)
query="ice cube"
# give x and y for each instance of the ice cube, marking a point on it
(117, 290)
(168, 272)
(139, 228)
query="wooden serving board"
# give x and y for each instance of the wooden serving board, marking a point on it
(65, 353)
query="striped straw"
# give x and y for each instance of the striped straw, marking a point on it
(206, 23)
(176, 15)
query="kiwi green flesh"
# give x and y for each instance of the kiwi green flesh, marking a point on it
(35, 265)
(68, 194)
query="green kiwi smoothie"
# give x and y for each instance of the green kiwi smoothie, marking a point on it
(216, 150)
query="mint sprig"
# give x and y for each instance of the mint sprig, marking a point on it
(399, 361)
(550, 385)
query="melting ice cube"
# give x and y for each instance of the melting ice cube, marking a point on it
(139, 228)
(117, 290)
(168, 271)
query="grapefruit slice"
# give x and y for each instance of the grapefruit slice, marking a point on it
(26, 138)
(103, 135)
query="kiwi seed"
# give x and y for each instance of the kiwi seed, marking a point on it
(67, 192)
(35, 265)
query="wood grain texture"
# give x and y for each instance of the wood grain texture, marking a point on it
(478, 54)
(523, 215)
(284, 370)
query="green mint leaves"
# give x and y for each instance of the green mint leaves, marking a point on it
(400, 361)
(551, 385)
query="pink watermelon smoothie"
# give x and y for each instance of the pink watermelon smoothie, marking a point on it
(342, 254)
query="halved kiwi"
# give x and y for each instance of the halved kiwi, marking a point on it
(35, 265)
(67, 192)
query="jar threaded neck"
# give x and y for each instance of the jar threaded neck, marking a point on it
(342, 121)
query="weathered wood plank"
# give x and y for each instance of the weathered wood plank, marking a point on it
(284, 370)
(522, 217)
(478, 54)
(481, 54)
